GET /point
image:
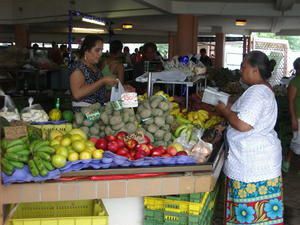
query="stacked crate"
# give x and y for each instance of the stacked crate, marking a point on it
(187, 209)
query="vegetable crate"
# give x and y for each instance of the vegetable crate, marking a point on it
(163, 211)
(87, 212)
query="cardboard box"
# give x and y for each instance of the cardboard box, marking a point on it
(47, 128)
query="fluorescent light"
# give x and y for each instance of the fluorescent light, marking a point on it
(94, 21)
(127, 26)
(87, 30)
(240, 22)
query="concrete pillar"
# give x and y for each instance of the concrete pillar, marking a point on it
(244, 45)
(248, 44)
(21, 36)
(172, 39)
(219, 50)
(187, 33)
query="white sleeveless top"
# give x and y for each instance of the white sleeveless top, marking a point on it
(254, 155)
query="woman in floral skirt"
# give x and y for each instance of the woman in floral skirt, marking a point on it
(253, 165)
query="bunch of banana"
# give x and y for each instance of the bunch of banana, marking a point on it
(19, 152)
(184, 130)
(16, 154)
(214, 120)
(142, 97)
(40, 163)
(198, 117)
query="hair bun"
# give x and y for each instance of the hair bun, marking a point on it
(272, 64)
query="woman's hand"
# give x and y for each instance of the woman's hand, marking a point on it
(109, 81)
(294, 124)
(221, 108)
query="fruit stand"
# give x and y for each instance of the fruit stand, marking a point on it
(109, 151)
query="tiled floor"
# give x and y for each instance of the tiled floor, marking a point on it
(291, 190)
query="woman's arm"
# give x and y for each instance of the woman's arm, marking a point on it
(120, 72)
(232, 118)
(80, 89)
(292, 92)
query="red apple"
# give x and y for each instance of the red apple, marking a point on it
(171, 150)
(93, 139)
(120, 143)
(139, 155)
(150, 146)
(131, 144)
(121, 135)
(112, 146)
(101, 144)
(146, 140)
(110, 138)
(158, 151)
(181, 153)
(166, 155)
(123, 151)
(144, 148)
(132, 155)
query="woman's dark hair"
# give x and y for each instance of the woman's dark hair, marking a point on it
(296, 65)
(88, 43)
(115, 47)
(150, 45)
(261, 61)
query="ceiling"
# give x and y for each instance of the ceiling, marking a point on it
(152, 19)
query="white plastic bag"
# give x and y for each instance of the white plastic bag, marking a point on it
(9, 110)
(116, 92)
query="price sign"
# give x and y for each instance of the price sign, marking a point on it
(129, 100)
(117, 105)
(93, 115)
(138, 136)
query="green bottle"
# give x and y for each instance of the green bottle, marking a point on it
(57, 104)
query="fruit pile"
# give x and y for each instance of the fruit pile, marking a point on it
(125, 145)
(113, 121)
(88, 124)
(37, 155)
(154, 116)
(72, 146)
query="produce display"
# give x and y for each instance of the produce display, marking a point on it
(154, 116)
(157, 132)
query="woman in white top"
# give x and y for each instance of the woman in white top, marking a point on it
(253, 165)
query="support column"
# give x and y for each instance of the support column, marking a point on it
(187, 33)
(244, 45)
(21, 36)
(172, 44)
(219, 50)
(248, 43)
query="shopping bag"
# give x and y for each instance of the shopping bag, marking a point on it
(116, 92)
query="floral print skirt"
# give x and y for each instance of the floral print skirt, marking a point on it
(254, 203)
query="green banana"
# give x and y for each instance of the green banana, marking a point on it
(33, 169)
(16, 164)
(6, 164)
(48, 165)
(179, 130)
(46, 149)
(42, 169)
(44, 156)
(182, 120)
(40, 145)
(16, 148)
(33, 144)
(24, 152)
(15, 157)
(15, 143)
(7, 172)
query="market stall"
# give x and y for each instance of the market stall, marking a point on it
(132, 147)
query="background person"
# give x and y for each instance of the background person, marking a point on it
(204, 58)
(86, 81)
(253, 165)
(294, 111)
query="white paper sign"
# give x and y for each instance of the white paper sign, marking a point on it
(129, 100)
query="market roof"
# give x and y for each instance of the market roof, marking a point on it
(153, 19)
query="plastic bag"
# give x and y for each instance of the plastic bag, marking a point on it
(34, 113)
(9, 110)
(116, 92)
(202, 151)
(189, 142)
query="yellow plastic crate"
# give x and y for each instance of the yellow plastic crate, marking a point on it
(175, 206)
(87, 212)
